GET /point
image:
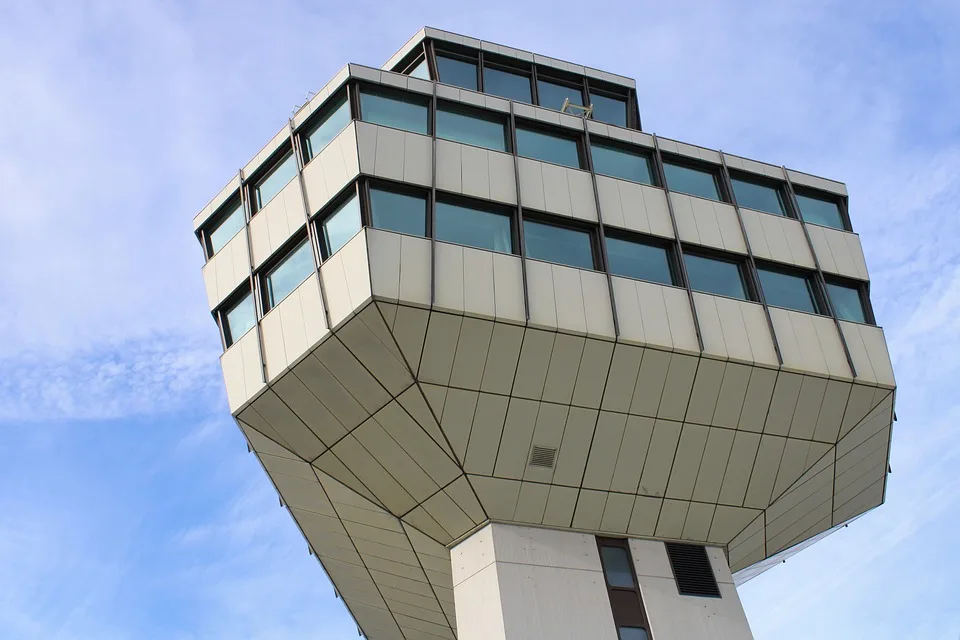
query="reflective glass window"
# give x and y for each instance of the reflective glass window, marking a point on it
(277, 178)
(506, 84)
(609, 110)
(287, 276)
(552, 94)
(239, 318)
(633, 633)
(758, 195)
(539, 145)
(474, 227)
(341, 225)
(398, 110)
(327, 128)
(846, 302)
(820, 211)
(226, 228)
(616, 566)
(397, 211)
(459, 73)
(696, 182)
(558, 244)
(787, 290)
(638, 260)
(422, 70)
(471, 127)
(616, 161)
(719, 277)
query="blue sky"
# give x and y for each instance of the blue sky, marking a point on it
(129, 506)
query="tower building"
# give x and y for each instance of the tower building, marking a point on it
(519, 369)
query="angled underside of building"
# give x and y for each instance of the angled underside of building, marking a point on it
(519, 369)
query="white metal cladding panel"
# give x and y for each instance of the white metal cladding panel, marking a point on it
(734, 330)
(332, 169)
(279, 139)
(809, 343)
(346, 280)
(293, 327)
(868, 349)
(477, 282)
(556, 189)
(760, 168)
(777, 238)
(394, 154)
(817, 183)
(226, 270)
(228, 190)
(708, 223)
(273, 225)
(321, 97)
(654, 314)
(633, 206)
(399, 267)
(242, 369)
(569, 299)
(838, 252)
(476, 172)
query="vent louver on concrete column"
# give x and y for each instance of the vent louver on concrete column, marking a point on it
(542, 457)
(692, 570)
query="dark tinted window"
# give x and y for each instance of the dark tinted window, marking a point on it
(506, 84)
(396, 110)
(633, 633)
(618, 162)
(328, 127)
(401, 212)
(474, 227)
(638, 260)
(276, 179)
(459, 73)
(846, 301)
(227, 227)
(471, 127)
(758, 195)
(616, 566)
(787, 290)
(341, 225)
(696, 182)
(710, 275)
(609, 110)
(558, 244)
(820, 211)
(239, 318)
(287, 276)
(539, 145)
(552, 94)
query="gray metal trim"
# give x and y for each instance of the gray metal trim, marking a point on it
(432, 205)
(754, 274)
(257, 302)
(523, 248)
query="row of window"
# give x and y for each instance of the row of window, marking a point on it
(484, 225)
(524, 82)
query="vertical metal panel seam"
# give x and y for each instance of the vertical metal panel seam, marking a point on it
(257, 302)
(522, 242)
(433, 197)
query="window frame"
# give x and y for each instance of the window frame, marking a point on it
(559, 77)
(750, 285)
(463, 55)
(469, 110)
(698, 165)
(505, 65)
(840, 201)
(667, 244)
(626, 147)
(556, 131)
(601, 90)
(575, 224)
(366, 202)
(486, 206)
(623, 544)
(331, 105)
(818, 297)
(264, 171)
(332, 206)
(275, 260)
(229, 303)
(764, 181)
(389, 91)
(863, 289)
(219, 217)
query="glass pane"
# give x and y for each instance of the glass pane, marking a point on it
(616, 162)
(474, 227)
(715, 276)
(342, 225)
(512, 86)
(394, 110)
(422, 70)
(558, 244)
(240, 318)
(757, 196)
(459, 73)
(276, 180)
(846, 302)
(696, 182)
(820, 211)
(548, 147)
(636, 260)
(552, 94)
(633, 633)
(328, 127)
(616, 564)
(787, 290)
(227, 228)
(469, 127)
(399, 212)
(610, 110)
(288, 275)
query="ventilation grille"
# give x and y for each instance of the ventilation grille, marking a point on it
(691, 568)
(543, 457)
